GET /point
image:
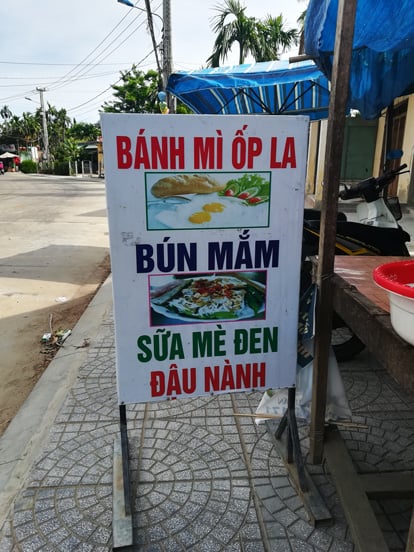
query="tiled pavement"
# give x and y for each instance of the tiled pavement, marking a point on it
(203, 479)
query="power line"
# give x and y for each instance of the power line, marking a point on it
(109, 88)
(85, 77)
(46, 63)
(80, 70)
(31, 91)
(94, 50)
(90, 64)
(61, 82)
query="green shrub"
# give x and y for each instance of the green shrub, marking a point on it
(47, 170)
(28, 166)
(61, 168)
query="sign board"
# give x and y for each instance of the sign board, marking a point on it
(205, 219)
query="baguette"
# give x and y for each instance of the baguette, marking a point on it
(186, 184)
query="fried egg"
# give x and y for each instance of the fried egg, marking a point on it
(214, 211)
(214, 207)
(199, 217)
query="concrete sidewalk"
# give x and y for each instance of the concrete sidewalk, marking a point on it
(203, 478)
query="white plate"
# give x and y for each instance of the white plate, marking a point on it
(247, 312)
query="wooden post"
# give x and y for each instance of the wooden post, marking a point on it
(333, 154)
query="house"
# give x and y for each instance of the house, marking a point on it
(365, 142)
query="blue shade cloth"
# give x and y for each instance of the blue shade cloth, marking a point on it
(273, 88)
(382, 66)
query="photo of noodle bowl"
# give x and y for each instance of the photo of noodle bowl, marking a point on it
(232, 296)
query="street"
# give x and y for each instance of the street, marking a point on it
(54, 254)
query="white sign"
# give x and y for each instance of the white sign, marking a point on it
(205, 219)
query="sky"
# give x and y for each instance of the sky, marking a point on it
(75, 50)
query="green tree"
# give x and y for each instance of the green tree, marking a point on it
(138, 93)
(64, 134)
(264, 40)
(84, 132)
(68, 150)
(12, 130)
(22, 131)
(30, 128)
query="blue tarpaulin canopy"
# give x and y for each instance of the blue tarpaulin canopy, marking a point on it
(382, 66)
(273, 88)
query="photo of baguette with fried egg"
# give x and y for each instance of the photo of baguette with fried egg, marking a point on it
(186, 184)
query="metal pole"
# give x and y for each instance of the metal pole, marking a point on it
(332, 169)
(44, 122)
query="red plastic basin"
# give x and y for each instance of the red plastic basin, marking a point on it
(398, 279)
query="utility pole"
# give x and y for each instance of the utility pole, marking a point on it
(167, 51)
(151, 30)
(44, 122)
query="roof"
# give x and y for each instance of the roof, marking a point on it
(273, 88)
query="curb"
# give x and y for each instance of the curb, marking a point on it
(22, 441)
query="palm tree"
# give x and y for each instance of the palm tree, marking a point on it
(274, 39)
(57, 123)
(264, 40)
(240, 29)
(12, 129)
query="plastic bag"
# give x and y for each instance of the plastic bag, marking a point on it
(274, 401)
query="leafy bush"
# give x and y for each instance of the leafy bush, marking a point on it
(61, 168)
(28, 166)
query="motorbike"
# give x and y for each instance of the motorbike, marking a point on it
(376, 232)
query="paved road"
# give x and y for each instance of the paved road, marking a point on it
(53, 246)
(204, 476)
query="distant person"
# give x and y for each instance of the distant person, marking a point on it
(1, 167)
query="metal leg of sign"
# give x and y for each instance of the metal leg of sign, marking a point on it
(121, 507)
(291, 454)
